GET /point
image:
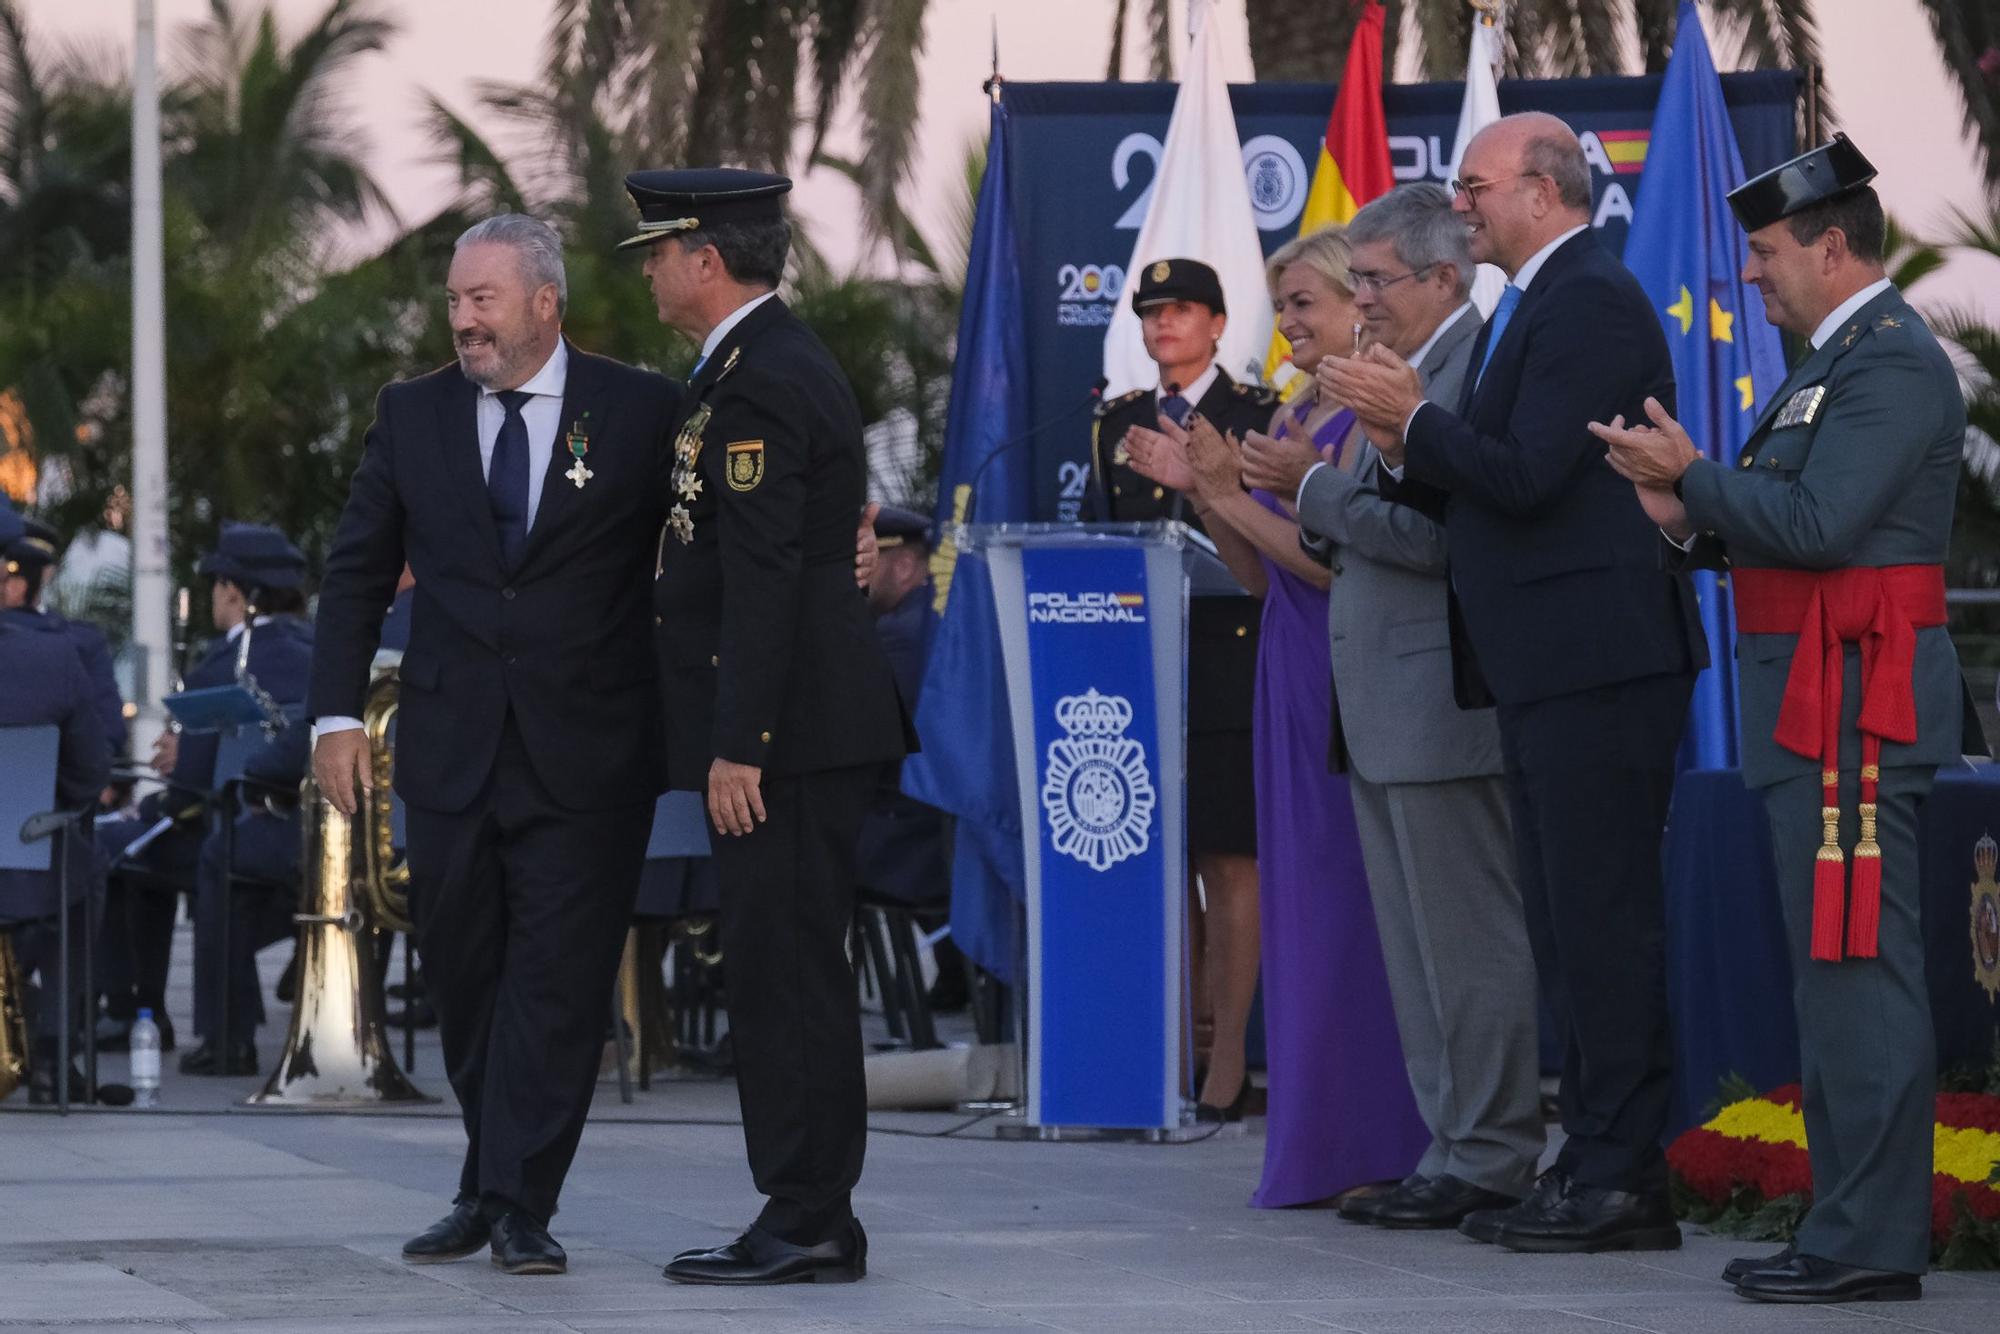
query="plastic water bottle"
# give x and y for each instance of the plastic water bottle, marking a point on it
(144, 1054)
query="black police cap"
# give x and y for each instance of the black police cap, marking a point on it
(1167, 280)
(1813, 177)
(254, 555)
(38, 545)
(689, 199)
(895, 525)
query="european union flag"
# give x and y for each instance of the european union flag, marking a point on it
(1688, 253)
(966, 766)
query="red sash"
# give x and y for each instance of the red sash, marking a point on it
(1881, 610)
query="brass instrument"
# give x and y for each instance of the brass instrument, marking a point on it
(337, 1052)
(13, 1021)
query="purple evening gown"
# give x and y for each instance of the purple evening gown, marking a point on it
(1341, 1110)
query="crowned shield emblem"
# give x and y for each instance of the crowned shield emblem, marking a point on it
(1096, 789)
(744, 464)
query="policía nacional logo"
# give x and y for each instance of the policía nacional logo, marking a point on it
(1986, 917)
(1096, 788)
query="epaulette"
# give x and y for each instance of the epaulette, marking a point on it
(1105, 406)
(1257, 394)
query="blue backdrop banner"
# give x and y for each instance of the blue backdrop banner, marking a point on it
(1081, 159)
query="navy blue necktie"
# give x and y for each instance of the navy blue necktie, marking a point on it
(1176, 409)
(1497, 326)
(507, 478)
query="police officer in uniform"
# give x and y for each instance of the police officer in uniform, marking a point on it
(778, 703)
(46, 684)
(1834, 523)
(1182, 316)
(30, 562)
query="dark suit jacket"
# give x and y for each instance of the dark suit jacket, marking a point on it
(95, 654)
(1556, 573)
(767, 650)
(559, 643)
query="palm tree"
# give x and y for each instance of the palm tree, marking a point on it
(1968, 37)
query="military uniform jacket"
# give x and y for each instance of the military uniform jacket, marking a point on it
(559, 643)
(1853, 462)
(46, 684)
(767, 651)
(1222, 631)
(95, 654)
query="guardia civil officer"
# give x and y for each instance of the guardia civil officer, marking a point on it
(778, 702)
(30, 563)
(1181, 317)
(1834, 521)
(46, 684)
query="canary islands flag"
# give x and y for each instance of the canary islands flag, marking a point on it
(1353, 163)
(1687, 251)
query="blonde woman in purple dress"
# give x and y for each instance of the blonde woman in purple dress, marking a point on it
(1341, 1111)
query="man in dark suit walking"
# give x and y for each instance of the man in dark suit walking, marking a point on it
(521, 484)
(1563, 608)
(779, 703)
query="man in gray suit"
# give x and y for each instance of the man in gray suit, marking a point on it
(1425, 774)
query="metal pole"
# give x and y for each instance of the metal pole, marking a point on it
(150, 592)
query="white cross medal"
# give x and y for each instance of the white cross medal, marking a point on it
(579, 446)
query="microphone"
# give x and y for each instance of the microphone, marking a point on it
(1096, 394)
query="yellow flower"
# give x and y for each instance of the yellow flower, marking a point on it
(1967, 1155)
(1755, 1118)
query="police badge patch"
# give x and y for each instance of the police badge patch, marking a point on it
(1800, 408)
(744, 464)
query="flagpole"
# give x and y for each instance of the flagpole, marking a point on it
(150, 634)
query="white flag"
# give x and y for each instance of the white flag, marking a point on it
(1200, 210)
(1481, 108)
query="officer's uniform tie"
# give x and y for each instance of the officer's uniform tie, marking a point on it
(1176, 409)
(507, 478)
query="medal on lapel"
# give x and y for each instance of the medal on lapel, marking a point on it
(579, 448)
(1800, 408)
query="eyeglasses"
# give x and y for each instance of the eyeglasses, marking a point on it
(1357, 279)
(1471, 189)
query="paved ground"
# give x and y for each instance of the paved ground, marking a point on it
(205, 1217)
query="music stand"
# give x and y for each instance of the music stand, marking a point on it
(28, 828)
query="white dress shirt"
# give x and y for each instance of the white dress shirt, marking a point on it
(543, 416)
(1193, 390)
(1416, 359)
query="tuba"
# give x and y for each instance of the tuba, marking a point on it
(13, 1021)
(337, 1052)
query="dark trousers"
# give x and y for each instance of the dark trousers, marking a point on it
(794, 1015)
(265, 871)
(521, 911)
(1867, 1052)
(136, 941)
(1589, 778)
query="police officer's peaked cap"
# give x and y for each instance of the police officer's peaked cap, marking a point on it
(895, 525)
(1827, 172)
(11, 527)
(38, 545)
(689, 199)
(1167, 280)
(252, 555)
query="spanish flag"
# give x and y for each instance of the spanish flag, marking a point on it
(1353, 163)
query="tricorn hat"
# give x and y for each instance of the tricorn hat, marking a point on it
(1813, 177)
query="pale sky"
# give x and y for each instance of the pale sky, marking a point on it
(1892, 92)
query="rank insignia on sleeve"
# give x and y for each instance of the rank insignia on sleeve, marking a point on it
(1800, 408)
(744, 464)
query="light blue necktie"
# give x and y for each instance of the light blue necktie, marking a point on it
(700, 361)
(1497, 326)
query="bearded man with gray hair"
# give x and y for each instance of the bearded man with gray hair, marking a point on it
(1429, 799)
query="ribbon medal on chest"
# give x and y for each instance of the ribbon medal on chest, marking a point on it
(686, 479)
(1800, 408)
(579, 449)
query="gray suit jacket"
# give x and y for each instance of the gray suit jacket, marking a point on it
(1386, 613)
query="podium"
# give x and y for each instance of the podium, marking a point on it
(1091, 623)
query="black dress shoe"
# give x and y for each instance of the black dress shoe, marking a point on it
(523, 1246)
(758, 1257)
(1208, 1113)
(1807, 1278)
(1441, 1202)
(460, 1233)
(1361, 1204)
(1588, 1219)
(202, 1060)
(1487, 1224)
(1734, 1271)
